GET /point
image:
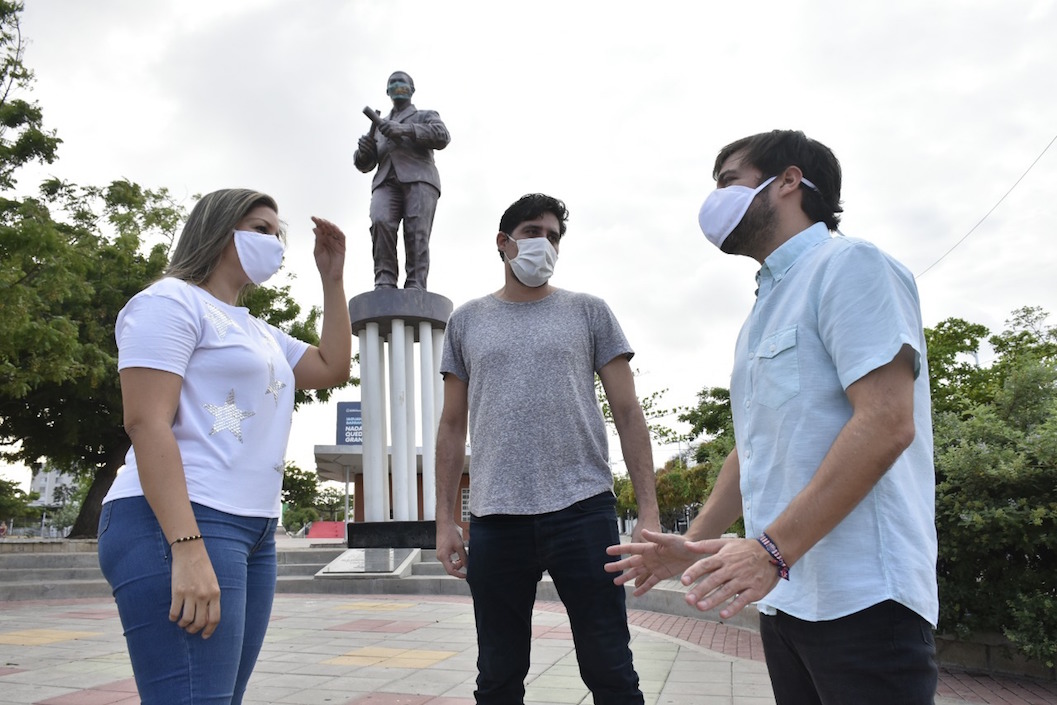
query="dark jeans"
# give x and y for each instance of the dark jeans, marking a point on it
(507, 557)
(882, 655)
(173, 667)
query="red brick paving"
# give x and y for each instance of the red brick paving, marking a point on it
(981, 688)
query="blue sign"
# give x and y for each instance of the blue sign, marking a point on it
(350, 424)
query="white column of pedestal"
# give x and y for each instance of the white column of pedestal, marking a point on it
(411, 465)
(348, 517)
(438, 381)
(398, 414)
(365, 357)
(373, 446)
(438, 394)
(385, 488)
(425, 352)
(348, 472)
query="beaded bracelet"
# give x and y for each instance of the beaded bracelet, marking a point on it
(776, 556)
(196, 537)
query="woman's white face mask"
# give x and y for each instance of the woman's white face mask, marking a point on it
(260, 254)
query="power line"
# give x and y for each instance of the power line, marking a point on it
(922, 273)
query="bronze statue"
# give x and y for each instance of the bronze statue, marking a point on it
(406, 185)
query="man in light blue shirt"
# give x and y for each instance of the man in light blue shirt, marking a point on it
(832, 468)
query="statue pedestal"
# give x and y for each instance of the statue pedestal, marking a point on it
(392, 534)
(393, 321)
(410, 306)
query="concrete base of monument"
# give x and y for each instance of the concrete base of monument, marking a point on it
(412, 306)
(392, 534)
(368, 562)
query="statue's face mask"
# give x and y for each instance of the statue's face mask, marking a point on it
(399, 90)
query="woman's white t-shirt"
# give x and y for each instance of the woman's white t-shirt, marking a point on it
(237, 398)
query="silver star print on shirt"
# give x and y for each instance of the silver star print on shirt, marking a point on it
(220, 320)
(270, 342)
(274, 386)
(228, 417)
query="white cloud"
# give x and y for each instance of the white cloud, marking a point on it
(934, 109)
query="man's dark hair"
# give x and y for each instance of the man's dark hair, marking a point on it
(530, 207)
(772, 152)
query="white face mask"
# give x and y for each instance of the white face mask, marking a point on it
(535, 261)
(724, 208)
(260, 254)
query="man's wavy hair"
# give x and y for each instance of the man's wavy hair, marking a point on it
(772, 152)
(532, 206)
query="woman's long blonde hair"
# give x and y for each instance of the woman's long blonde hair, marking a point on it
(209, 229)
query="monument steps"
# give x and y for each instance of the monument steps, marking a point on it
(56, 574)
(305, 561)
(54, 588)
(52, 574)
(428, 566)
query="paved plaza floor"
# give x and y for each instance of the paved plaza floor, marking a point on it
(408, 650)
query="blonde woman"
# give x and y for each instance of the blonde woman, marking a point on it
(186, 534)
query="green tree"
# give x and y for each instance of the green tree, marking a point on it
(712, 420)
(26, 253)
(956, 380)
(300, 487)
(996, 493)
(70, 499)
(23, 139)
(1026, 338)
(651, 410)
(14, 502)
(330, 503)
(70, 258)
(300, 493)
(294, 519)
(680, 488)
(71, 414)
(625, 492)
(660, 432)
(680, 491)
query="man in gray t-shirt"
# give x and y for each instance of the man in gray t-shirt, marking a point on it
(519, 368)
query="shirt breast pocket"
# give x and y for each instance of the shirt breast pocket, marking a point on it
(777, 369)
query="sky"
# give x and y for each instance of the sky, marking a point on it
(935, 109)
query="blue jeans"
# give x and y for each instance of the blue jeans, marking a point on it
(170, 665)
(881, 655)
(507, 557)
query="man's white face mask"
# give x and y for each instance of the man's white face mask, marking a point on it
(535, 261)
(724, 208)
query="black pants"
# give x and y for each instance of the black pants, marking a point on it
(508, 555)
(883, 655)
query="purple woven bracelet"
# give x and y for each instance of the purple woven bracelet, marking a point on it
(776, 556)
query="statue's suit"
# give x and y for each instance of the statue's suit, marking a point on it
(405, 188)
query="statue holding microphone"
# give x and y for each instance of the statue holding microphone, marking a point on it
(406, 184)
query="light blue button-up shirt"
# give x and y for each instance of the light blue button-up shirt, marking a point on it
(828, 311)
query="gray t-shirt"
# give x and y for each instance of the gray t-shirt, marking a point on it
(537, 436)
